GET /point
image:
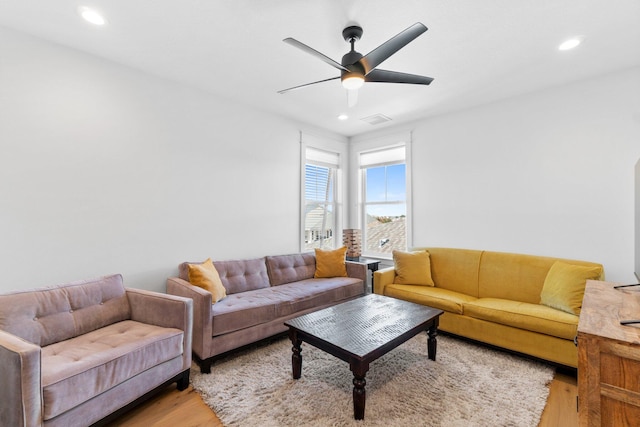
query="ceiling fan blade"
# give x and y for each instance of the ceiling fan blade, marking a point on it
(384, 76)
(374, 58)
(312, 51)
(307, 84)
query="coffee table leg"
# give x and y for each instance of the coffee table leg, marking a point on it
(432, 343)
(296, 357)
(359, 393)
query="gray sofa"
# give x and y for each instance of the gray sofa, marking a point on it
(78, 354)
(261, 294)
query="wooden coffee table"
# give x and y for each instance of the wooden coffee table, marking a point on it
(360, 331)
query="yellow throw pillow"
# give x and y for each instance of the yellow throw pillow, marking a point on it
(206, 277)
(564, 285)
(331, 263)
(412, 268)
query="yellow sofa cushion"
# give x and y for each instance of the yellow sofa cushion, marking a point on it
(412, 268)
(331, 263)
(523, 315)
(443, 299)
(455, 269)
(206, 277)
(517, 277)
(564, 285)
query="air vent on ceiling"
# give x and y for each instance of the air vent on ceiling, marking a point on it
(376, 119)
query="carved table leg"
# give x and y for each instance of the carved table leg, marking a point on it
(359, 394)
(432, 343)
(296, 357)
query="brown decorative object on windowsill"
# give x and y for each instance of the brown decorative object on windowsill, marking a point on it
(352, 239)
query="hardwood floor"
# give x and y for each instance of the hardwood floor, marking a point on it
(186, 409)
(171, 408)
(561, 409)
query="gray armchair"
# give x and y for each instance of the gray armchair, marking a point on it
(81, 353)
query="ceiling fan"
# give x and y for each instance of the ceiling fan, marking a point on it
(356, 69)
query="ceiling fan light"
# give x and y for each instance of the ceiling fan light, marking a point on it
(352, 81)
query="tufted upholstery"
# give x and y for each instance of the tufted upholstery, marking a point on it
(49, 315)
(236, 275)
(290, 268)
(75, 354)
(102, 359)
(261, 294)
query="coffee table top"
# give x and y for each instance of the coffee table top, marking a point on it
(364, 325)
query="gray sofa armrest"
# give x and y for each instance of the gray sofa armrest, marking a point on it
(168, 311)
(21, 393)
(357, 271)
(202, 317)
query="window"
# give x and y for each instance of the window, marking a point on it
(384, 200)
(320, 206)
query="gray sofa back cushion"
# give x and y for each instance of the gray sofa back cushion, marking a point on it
(49, 315)
(236, 275)
(290, 268)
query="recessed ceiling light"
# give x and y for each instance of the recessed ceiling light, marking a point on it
(571, 43)
(343, 117)
(91, 15)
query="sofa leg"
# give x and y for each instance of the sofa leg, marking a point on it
(183, 381)
(205, 365)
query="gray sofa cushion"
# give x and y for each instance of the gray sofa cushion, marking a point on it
(48, 315)
(306, 294)
(78, 369)
(290, 268)
(236, 275)
(243, 275)
(243, 310)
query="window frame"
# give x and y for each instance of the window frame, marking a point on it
(357, 187)
(330, 154)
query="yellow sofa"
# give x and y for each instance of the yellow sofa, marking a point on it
(494, 297)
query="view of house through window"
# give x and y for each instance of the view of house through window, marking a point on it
(384, 201)
(320, 199)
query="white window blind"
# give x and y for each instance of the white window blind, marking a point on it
(322, 158)
(320, 174)
(383, 157)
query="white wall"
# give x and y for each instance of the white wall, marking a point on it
(104, 169)
(551, 173)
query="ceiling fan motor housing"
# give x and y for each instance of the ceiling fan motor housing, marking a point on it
(351, 59)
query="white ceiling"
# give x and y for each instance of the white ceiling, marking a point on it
(477, 51)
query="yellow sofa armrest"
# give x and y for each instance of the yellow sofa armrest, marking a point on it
(382, 278)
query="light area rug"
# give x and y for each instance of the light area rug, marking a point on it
(467, 385)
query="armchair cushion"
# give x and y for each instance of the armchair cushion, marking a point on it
(78, 369)
(57, 313)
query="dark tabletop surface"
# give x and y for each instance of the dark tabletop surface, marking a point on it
(362, 325)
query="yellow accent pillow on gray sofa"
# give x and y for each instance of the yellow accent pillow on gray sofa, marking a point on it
(206, 276)
(330, 263)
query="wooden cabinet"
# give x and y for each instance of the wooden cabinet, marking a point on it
(609, 356)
